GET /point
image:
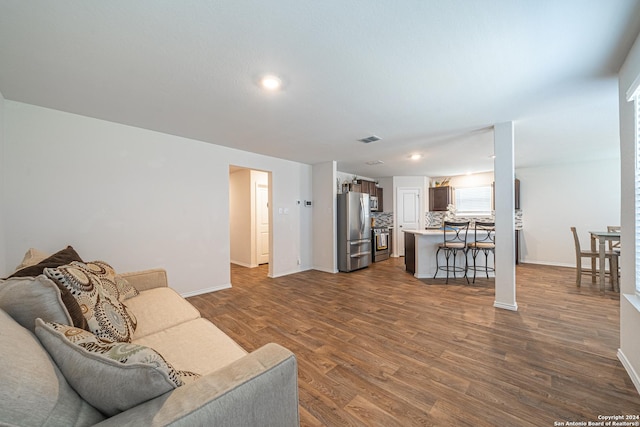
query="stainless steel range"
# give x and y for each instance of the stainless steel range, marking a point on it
(380, 244)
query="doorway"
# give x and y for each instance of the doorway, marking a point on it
(407, 212)
(249, 217)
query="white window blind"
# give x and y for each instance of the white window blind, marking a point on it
(636, 102)
(473, 201)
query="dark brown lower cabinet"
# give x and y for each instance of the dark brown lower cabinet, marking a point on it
(410, 252)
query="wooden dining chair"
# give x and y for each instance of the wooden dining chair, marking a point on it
(614, 247)
(590, 255)
(613, 244)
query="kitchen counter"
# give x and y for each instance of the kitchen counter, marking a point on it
(420, 252)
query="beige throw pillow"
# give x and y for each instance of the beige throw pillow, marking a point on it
(32, 257)
(112, 377)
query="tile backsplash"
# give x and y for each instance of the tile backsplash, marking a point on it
(435, 219)
(383, 219)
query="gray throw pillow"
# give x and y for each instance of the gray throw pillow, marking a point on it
(27, 298)
(112, 377)
(62, 257)
(33, 391)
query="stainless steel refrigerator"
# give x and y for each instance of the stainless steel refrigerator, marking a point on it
(354, 231)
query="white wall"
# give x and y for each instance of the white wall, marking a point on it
(387, 194)
(3, 254)
(136, 198)
(629, 352)
(554, 198)
(325, 187)
(464, 181)
(473, 180)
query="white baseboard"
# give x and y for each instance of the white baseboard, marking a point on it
(512, 307)
(206, 290)
(629, 368)
(325, 270)
(286, 273)
(552, 264)
(244, 264)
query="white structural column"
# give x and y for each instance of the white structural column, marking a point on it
(505, 262)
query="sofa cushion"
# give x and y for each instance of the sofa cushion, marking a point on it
(147, 279)
(197, 345)
(62, 257)
(33, 391)
(113, 377)
(95, 289)
(158, 309)
(27, 298)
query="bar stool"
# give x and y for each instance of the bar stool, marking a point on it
(485, 242)
(454, 240)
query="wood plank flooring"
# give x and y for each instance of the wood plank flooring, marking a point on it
(377, 347)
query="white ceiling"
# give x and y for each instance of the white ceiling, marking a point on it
(429, 77)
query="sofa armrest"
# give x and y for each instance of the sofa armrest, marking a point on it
(260, 389)
(147, 279)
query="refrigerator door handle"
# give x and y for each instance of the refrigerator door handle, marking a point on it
(362, 216)
(361, 254)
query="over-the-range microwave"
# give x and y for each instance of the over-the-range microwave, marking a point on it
(373, 203)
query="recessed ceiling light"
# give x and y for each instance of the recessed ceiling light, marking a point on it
(271, 82)
(416, 156)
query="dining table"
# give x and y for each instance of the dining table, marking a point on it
(602, 237)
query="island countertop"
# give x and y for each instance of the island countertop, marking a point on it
(421, 247)
(427, 232)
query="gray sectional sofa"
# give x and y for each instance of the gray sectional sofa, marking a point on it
(177, 368)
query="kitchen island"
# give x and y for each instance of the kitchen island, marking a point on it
(420, 247)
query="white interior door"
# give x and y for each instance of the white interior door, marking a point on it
(408, 214)
(262, 223)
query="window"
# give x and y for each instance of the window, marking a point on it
(473, 201)
(636, 101)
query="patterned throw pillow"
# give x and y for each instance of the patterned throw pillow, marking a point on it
(98, 293)
(112, 377)
(114, 283)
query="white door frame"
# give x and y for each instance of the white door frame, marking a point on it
(252, 222)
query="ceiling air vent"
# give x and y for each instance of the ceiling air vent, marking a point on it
(375, 162)
(370, 139)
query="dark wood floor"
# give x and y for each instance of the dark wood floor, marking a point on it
(378, 347)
